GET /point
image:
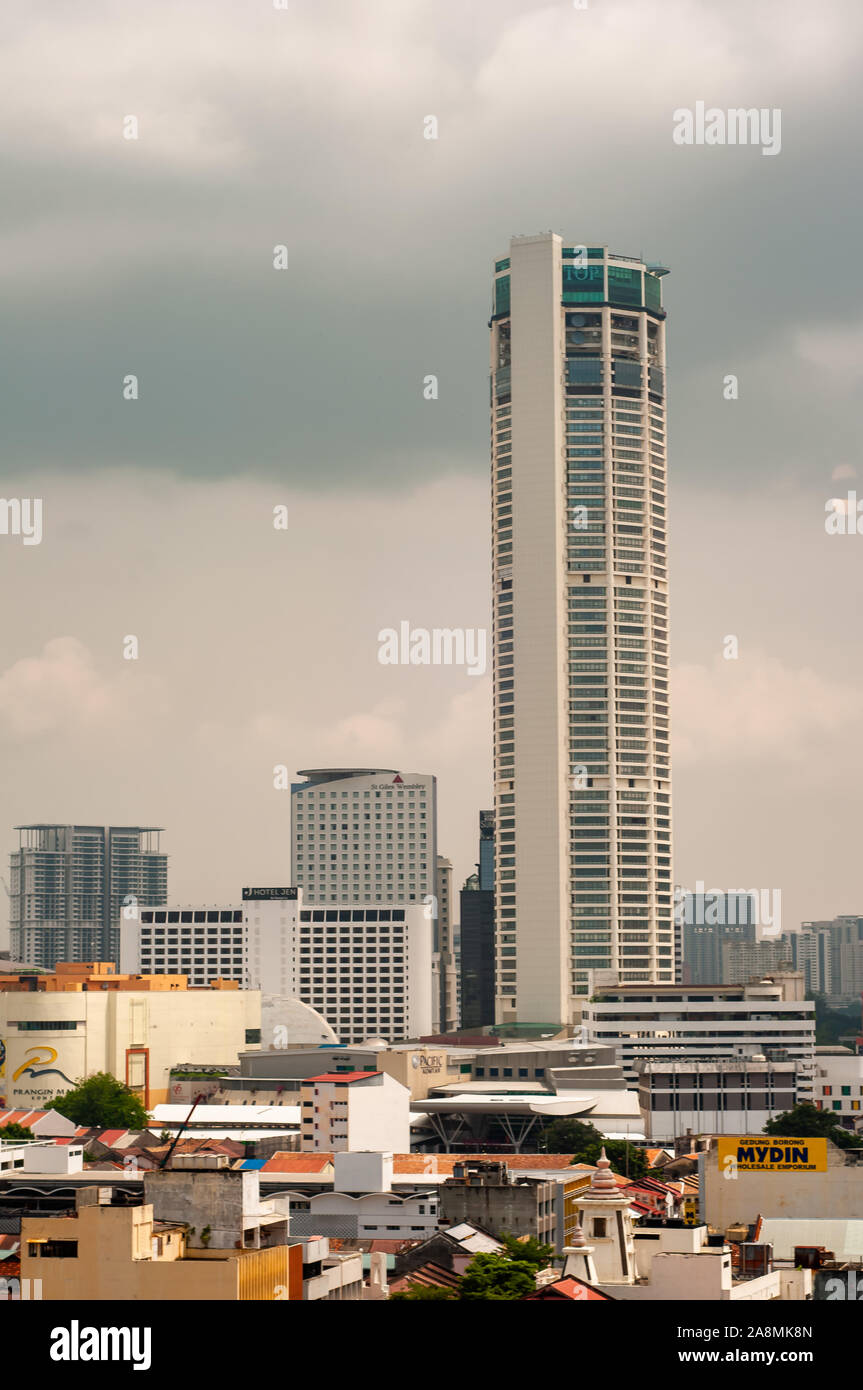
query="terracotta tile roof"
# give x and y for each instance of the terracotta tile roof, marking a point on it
(443, 1164)
(109, 1137)
(649, 1185)
(391, 1247)
(538, 1160)
(284, 1162)
(344, 1076)
(572, 1289)
(20, 1117)
(430, 1275)
(653, 1155)
(193, 1146)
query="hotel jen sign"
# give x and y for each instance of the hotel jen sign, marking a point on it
(264, 895)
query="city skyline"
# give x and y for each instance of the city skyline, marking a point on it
(259, 648)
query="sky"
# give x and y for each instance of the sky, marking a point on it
(304, 127)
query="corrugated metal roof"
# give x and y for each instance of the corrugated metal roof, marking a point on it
(243, 1116)
(843, 1237)
(344, 1076)
(429, 1275)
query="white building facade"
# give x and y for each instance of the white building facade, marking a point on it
(838, 1084)
(366, 970)
(582, 771)
(705, 1023)
(251, 942)
(733, 1096)
(343, 1112)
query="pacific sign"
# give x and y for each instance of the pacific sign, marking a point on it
(763, 1154)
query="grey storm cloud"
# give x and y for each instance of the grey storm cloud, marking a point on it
(304, 127)
(154, 257)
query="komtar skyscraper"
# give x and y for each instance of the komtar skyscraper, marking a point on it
(581, 718)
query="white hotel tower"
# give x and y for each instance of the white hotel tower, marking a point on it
(582, 774)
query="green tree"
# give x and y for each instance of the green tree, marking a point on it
(424, 1293)
(528, 1250)
(497, 1277)
(585, 1142)
(102, 1101)
(16, 1131)
(808, 1122)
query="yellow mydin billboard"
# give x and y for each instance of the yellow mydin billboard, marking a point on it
(772, 1154)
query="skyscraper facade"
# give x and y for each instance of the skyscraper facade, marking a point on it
(69, 884)
(581, 752)
(365, 835)
(444, 947)
(477, 934)
(710, 921)
(365, 854)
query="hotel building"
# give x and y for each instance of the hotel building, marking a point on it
(366, 970)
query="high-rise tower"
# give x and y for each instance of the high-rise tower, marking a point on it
(365, 835)
(69, 885)
(582, 774)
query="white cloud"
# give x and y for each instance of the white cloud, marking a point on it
(62, 691)
(758, 709)
(835, 348)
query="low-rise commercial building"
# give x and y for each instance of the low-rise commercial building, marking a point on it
(41, 1156)
(119, 1254)
(58, 1029)
(809, 1179)
(342, 1111)
(331, 1276)
(221, 1207)
(720, 1097)
(652, 1023)
(838, 1085)
(509, 1094)
(274, 1075)
(485, 1193)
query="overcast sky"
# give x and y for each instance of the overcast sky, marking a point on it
(304, 127)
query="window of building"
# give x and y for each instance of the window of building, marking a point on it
(52, 1249)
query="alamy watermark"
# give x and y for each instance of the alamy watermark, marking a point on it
(737, 126)
(760, 907)
(22, 516)
(844, 516)
(439, 646)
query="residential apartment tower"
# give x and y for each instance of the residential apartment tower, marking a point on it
(582, 772)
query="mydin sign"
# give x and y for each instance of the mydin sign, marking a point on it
(767, 1154)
